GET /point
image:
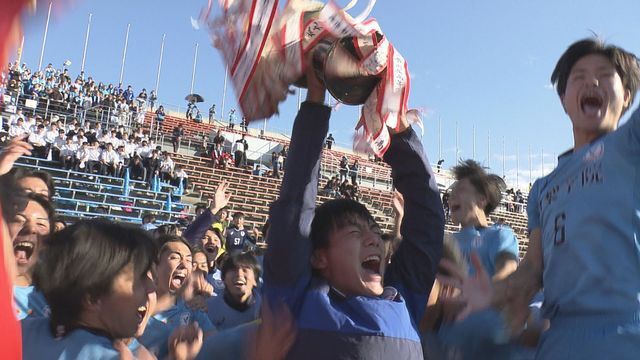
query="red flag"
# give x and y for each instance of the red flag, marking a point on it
(10, 26)
(10, 341)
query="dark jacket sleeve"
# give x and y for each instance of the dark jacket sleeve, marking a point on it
(195, 231)
(413, 266)
(287, 267)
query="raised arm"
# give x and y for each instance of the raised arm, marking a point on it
(196, 230)
(413, 266)
(287, 263)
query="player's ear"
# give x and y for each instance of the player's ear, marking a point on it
(319, 259)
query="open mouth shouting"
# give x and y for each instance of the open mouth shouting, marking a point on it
(23, 249)
(372, 268)
(178, 278)
(211, 249)
(142, 311)
(592, 104)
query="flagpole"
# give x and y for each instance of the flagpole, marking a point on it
(530, 168)
(474, 142)
(86, 43)
(488, 149)
(124, 53)
(517, 164)
(224, 89)
(44, 38)
(504, 150)
(193, 72)
(299, 98)
(160, 64)
(439, 138)
(20, 50)
(457, 150)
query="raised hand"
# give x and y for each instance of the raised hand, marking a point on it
(475, 291)
(185, 342)
(220, 198)
(16, 148)
(398, 203)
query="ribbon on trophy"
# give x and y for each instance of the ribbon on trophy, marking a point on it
(265, 53)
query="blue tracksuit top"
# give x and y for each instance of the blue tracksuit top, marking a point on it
(331, 326)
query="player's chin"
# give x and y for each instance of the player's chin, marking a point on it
(374, 288)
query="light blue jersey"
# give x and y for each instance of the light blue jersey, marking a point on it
(488, 242)
(229, 344)
(588, 212)
(161, 325)
(30, 302)
(223, 316)
(39, 343)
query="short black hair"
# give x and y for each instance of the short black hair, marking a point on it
(199, 206)
(238, 215)
(626, 64)
(81, 261)
(242, 259)
(21, 173)
(488, 185)
(12, 197)
(163, 241)
(336, 214)
(165, 229)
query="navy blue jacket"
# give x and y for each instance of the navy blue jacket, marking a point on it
(331, 326)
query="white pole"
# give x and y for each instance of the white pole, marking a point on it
(224, 89)
(517, 164)
(504, 150)
(160, 64)
(20, 50)
(530, 167)
(193, 72)
(86, 43)
(439, 138)
(542, 162)
(474, 142)
(489, 149)
(299, 98)
(124, 53)
(44, 38)
(457, 150)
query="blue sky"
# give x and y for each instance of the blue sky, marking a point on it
(473, 63)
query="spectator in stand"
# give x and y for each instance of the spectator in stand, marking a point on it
(212, 113)
(17, 129)
(123, 161)
(37, 140)
(439, 165)
(240, 151)
(232, 118)
(137, 171)
(240, 302)
(58, 224)
(343, 168)
(275, 164)
(166, 167)
(329, 142)
(178, 133)
(190, 113)
(94, 163)
(57, 144)
(283, 156)
(237, 238)
(353, 172)
(244, 124)
(51, 132)
(82, 157)
(109, 161)
(218, 141)
(79, 138)
(68, 154)
(144, 150)
(160, 114)
(445, 204)
(153, 97)
(128, 95)
(328, 189)
(354, 192)
(153, 165)
(148, 222)
(180, 176)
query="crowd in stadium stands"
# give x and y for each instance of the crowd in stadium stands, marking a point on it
(98, 289)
